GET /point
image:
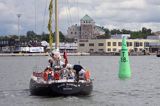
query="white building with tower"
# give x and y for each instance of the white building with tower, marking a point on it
(86, 30)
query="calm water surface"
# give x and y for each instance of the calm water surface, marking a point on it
(143, 89)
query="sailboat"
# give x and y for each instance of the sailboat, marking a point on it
(49, 81)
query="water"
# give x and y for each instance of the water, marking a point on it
(142, 89)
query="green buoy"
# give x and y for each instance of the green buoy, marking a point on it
(124, 65)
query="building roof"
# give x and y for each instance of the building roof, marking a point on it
(86, 18)
(100, 29)
(157, 33)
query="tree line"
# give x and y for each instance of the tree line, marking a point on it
(32, 36)
(143, 33)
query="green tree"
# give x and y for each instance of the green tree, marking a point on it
(31, 35)
(124, 31)
(115, 31)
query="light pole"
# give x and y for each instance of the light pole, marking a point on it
(19, 15)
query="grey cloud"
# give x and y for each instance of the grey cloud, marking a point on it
(153, 2)
(111, 13)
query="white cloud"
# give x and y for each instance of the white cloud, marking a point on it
(129, 14)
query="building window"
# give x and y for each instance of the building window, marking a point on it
(100, 50)
(71, 32)
(100, 44)
(146, 44)
(140, 44)
(109, 49)
(119, 43)
(91, 44)
(109, 43)
(114, 49)
(130, 43)
(91, 50)
(82, 44)
(136, 44)
(114, 44)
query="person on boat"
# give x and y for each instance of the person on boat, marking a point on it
(80, 72)
(55, 60)
(58, 65)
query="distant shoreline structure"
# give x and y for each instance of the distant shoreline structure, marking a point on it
(42, 54)
(72, 54)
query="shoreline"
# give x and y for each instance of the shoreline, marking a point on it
(69, 54)
(40, 54)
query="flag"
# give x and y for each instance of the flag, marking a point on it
(65, 57)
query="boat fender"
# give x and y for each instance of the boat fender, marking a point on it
(36, 74)
(87, 75)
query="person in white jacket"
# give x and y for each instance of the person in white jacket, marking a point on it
(56, 61)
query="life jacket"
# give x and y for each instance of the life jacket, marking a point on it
(87, 75)
(56, 75)
(48, 74)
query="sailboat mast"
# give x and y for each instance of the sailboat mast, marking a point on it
(56, 25)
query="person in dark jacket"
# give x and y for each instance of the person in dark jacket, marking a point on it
(77, 68)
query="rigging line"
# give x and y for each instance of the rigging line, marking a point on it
(67, 14)
(76, 16)
(59, 22)
(62, 26)
(69, 7)
(78, 11)
(43, 24)
(35, 16)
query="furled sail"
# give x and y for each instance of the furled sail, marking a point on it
(50, 24)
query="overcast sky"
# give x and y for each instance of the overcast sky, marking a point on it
(128, 14)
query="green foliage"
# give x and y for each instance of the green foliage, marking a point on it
(44, 37)
(134, 34)
(32, 36)
(141, 34)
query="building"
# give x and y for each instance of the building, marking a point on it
(74, 31)
(113, 45)
(157, 33)
(153, 37)
(69, 47)
(86, 30)
(154, 46)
